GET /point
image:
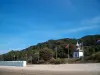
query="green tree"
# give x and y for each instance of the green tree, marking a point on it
(46, 54)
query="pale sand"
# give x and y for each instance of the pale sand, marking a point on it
(63, 69)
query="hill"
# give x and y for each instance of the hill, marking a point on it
(47, 50)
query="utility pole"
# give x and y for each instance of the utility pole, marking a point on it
(32, 59)
(68, 51)
(26, 56)
(67, 46)
(14, 57)
(83, 51)
(56, 52)
(38, 55)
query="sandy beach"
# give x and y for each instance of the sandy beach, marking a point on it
(63, 69)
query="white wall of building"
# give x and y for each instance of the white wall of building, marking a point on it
(80, 54)
(13, 63)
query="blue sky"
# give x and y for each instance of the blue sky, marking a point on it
(27, 22)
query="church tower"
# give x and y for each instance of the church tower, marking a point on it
(77, 46)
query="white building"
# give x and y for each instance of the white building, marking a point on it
(79, 51)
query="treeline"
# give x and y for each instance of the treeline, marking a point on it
(53, 49)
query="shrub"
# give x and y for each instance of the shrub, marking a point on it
(94, 57)
(52, 61)
(55, 61)
(41, 62)
(58, 61)
(71, 61)
(97, 56)
(63, 61)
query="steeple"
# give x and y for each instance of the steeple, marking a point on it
(77, 44)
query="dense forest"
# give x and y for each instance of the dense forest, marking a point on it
(55, 51)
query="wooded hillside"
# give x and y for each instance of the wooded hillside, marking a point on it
(47, 50)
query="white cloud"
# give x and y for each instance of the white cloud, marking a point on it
(92, 21)
(79, 29)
